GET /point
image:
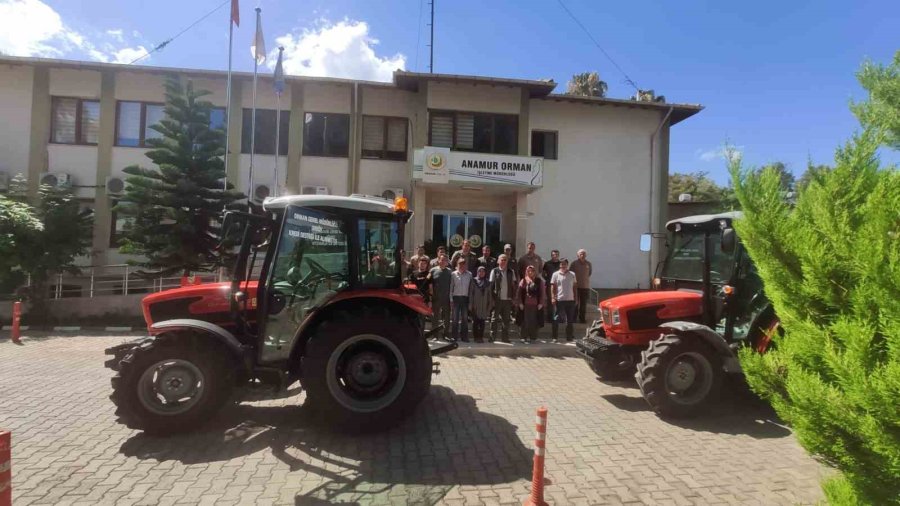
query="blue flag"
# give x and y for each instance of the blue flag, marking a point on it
(279, 74)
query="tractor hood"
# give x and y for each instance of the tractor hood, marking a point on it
(208, 302)
(646, 311)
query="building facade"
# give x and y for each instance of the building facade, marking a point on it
(517, 162)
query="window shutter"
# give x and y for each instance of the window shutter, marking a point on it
(129, 130)
(64, 111)
(465, 131)
(373, 133)
(396, 139)
(90, 122)
(442, 131)
(155, 113)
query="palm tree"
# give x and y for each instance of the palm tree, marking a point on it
(587, 84)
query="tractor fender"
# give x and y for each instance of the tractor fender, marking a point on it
(710, 337)
(216, 332)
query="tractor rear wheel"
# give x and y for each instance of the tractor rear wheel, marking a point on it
(678, 375)
(170, 385)
(366, 371)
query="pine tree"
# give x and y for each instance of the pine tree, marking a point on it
(173, 207)
(831, 267)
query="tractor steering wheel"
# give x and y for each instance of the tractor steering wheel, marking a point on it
(317, 268)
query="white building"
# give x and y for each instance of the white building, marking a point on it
(524, 164)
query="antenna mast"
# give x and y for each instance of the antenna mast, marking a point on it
(431, 45)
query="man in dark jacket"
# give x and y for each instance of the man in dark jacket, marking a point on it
(550, 266)
(486, 260)
(503, 288)
(468, 255)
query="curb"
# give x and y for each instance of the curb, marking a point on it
(74, 328)
(541, 348)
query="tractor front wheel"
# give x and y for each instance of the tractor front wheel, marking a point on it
(170, 384)
(366, 372)
(678, 375)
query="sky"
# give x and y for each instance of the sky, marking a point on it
(775, 78)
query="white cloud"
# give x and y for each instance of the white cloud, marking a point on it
(33, 28)
(129, 54)
(342, 49)
(728, 153)
(116, 34)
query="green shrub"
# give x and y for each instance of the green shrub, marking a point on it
(831, 267)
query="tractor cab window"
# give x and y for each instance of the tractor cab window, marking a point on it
(378, 248)
(685, 259)
(310, 266)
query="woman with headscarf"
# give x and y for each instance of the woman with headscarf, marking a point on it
(480, 303)
(530, 297)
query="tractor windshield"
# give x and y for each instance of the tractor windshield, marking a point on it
(685, 259)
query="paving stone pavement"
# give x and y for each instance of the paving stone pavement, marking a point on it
(468, 444)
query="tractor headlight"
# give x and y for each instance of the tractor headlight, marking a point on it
(615, 317)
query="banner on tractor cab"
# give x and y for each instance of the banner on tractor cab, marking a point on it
(440, 165)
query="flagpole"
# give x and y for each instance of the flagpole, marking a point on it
(228, 97)
(253, 116)
(277, 128)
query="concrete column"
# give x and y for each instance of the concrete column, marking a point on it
(352, 149)
(38, 158)
(356, 151)
(233, 143)
(524, 127)
(522, 216)
(420, 219)
(106, 137)
(295, 139)
(420, 120)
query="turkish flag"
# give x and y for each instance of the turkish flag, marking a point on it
(235, 13)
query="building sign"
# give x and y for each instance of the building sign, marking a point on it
(486, 168)
(435, 168)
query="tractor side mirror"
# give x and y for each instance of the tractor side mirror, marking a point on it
(645, 242)
(728, 240)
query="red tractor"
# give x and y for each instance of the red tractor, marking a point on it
(679, 339)
(325, 307)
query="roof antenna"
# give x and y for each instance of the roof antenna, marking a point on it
(431, 45)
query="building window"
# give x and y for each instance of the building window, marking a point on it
(384, 138)
(481, 133)
(544, 144)
(265, 132)
(74, 121)
(326, 134)
(133, 122)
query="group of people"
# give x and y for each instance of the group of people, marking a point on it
(500, 290)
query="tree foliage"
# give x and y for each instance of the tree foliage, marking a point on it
(173, 206)
(698, 184)
(882, 108)
(831, 267)
(812, 173)
(42, 240)
(587, 84)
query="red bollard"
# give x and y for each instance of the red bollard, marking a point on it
(537, 473)
(5, 468)
(16, 321)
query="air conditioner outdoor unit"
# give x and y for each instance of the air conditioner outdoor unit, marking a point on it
(315, 190)
(260, 192)
(4, 182)
(115, 185)
(392, 193)
(56, 179)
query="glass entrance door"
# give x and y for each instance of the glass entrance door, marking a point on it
(451, 228)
